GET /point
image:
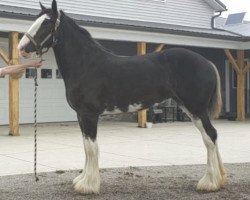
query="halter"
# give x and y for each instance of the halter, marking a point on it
(39, 46)
(40, 52)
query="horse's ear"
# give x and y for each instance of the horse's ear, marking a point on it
(41, 5)
(54, 7)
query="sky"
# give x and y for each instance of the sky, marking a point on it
(235, 6)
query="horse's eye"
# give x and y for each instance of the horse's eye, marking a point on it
(47, 22)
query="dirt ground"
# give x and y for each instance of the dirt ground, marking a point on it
(163, 182)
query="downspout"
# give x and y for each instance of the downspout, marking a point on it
(220, 29)
(212, 19)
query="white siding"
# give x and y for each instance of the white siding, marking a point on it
(51, 101)
(195, 13)
(4, 90)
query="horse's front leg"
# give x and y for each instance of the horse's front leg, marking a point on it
(88, 181)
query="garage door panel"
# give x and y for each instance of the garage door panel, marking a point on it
(4, 104)
(51, 100)
(4, 115)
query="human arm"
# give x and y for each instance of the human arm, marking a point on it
(16, 69)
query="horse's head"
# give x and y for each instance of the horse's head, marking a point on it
(41, 34)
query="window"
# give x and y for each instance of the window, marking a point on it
(58, 74)
(30, 73)
(46, 73)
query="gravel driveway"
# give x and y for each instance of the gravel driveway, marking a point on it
(163, 182)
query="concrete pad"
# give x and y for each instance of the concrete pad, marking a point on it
(60, 145)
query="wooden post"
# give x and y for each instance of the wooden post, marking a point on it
(4, 56)
(241, 69)
(240, 86)
(159, 47)
(13, 87)
(142, 115)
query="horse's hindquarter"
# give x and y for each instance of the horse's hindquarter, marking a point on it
(193, 76)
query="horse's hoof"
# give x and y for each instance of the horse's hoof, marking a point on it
(85, 186)
(78, 178)
(207, 188)
(223, 180)
(86, 189)
(206, 185)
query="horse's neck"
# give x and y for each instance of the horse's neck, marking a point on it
(73, 47)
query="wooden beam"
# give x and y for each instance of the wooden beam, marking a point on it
(13, 87)
(232, 60)
(247, 67)
(240, 86)
(159, 47)
(241, 70)
(141, 48)
(142, 115)
(4, 56)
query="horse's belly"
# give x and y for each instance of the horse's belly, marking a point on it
(116, 110)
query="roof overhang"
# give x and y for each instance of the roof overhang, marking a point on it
(8, 24)
(217, 5)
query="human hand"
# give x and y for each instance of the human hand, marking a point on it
(35, 64)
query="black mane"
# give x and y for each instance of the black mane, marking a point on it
(75, 25)
(83, 31)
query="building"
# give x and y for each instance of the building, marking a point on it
(121, 26)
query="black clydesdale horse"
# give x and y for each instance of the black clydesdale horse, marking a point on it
(97, 81)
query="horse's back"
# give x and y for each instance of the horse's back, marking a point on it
(186, 59)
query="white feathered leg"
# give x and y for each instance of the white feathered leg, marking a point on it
(214, 177)
(221, 166)
(89, 180)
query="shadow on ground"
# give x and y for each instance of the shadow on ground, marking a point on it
(164, 182)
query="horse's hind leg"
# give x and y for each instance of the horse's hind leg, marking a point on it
(89, 180)
(215, 175)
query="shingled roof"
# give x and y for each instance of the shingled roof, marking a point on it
(29, 9)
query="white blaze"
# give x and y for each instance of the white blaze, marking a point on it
(32, 31)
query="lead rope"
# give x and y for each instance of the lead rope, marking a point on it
(35, 125)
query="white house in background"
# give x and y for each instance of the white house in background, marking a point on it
(176, 22)
(235, 23)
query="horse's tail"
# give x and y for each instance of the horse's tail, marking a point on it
(215, 104)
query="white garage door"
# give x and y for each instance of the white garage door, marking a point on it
(51, 102)
(4, 92)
